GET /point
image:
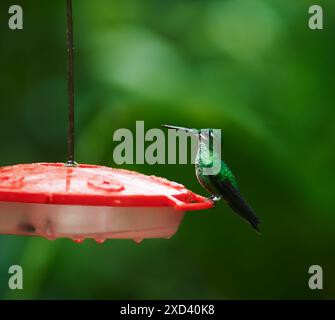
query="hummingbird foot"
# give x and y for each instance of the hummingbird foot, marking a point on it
(215, 199)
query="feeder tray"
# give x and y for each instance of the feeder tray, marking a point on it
(54, 200)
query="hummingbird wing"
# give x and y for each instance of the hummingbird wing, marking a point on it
(235, 200)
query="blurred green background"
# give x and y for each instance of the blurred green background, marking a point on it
(251, 68)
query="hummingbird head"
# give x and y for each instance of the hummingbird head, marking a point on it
(203, 134)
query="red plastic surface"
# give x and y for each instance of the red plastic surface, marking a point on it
(55, 183)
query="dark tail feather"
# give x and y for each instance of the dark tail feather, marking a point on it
(245, 212)
(235, 200)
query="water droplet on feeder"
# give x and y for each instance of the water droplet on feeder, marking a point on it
(78, 240)
(100, 241)
(138, 241)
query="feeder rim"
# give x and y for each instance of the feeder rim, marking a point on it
(97, 186)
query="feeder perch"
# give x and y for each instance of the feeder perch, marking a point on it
(54, 200)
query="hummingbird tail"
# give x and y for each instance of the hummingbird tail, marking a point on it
(248, 214)
(235, 201)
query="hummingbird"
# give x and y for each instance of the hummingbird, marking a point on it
(222, 185)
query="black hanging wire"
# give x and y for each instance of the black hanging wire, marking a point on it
(70, 81)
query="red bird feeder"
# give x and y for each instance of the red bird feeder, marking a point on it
(84, 201)
(54, 200)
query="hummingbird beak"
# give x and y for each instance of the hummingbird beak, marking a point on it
(187, 130)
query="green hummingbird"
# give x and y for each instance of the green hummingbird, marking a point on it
(222, 185)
